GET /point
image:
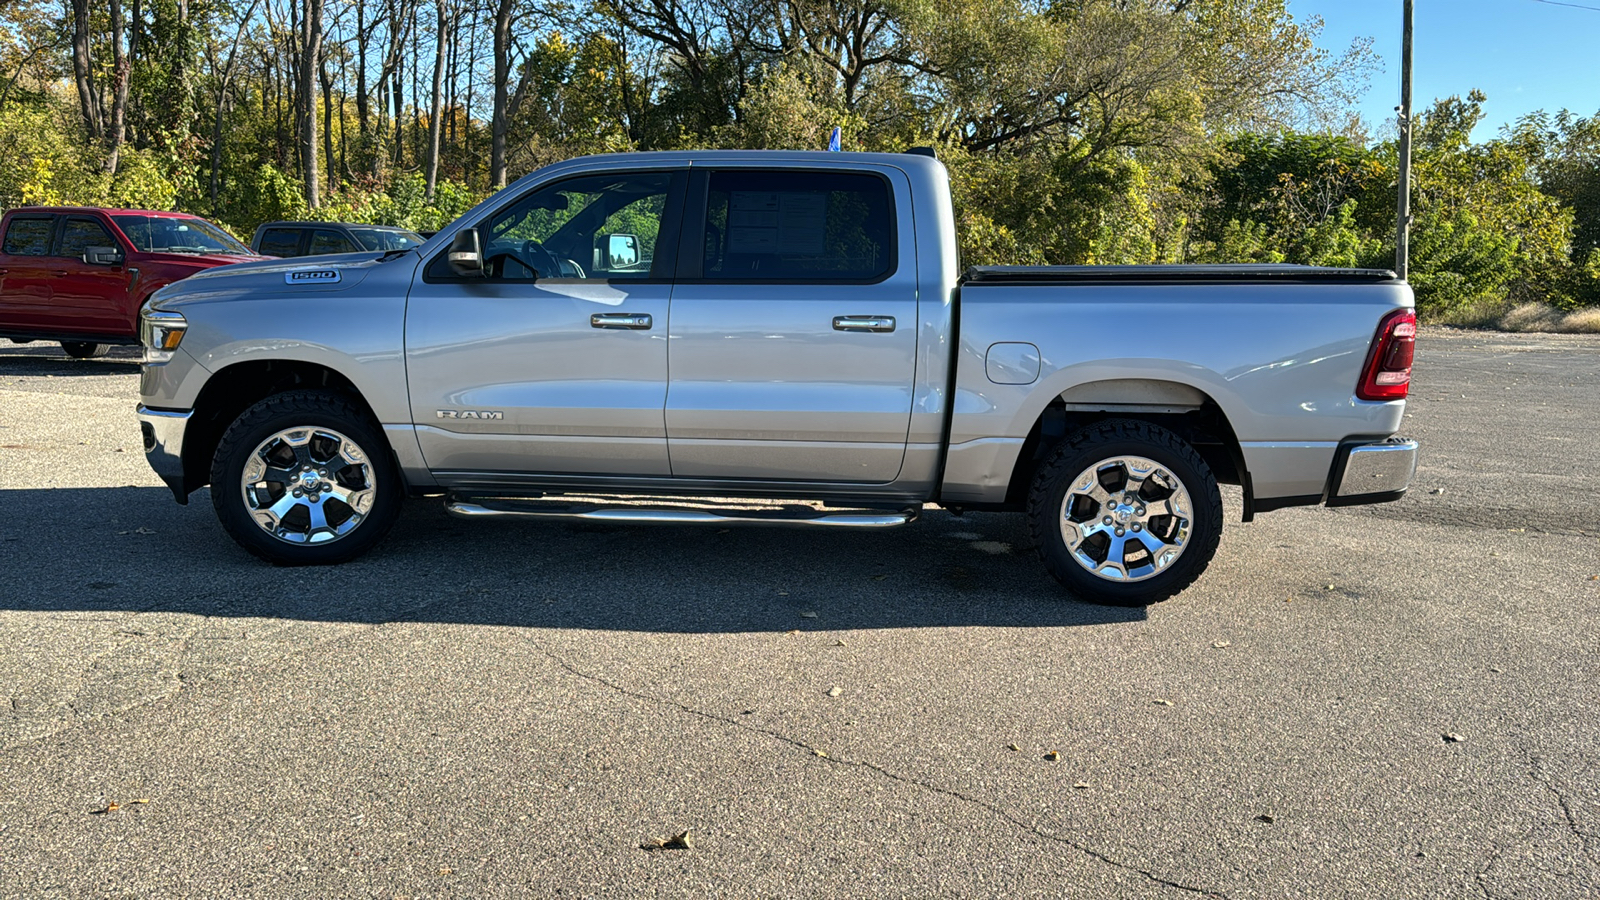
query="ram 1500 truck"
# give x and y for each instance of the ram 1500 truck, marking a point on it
(612, 336)
(80, 275)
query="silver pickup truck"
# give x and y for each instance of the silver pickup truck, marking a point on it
(650, 337)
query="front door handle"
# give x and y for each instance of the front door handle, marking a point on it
(863, 323)
(632, 321)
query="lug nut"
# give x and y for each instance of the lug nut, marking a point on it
(1136, 526)
(297, 492)
(1119, 532)
(1140, 510)
(1106, 520)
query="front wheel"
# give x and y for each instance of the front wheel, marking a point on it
(1125, 513)
(85, 349)
(305, 478)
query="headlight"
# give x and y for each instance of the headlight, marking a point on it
(160, 331)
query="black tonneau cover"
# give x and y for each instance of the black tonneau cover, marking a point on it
(1193, 274)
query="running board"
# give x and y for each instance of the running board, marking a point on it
(788, 516)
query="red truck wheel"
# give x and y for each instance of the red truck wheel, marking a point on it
(84, 349)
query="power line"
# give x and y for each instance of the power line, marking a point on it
(1573, 5)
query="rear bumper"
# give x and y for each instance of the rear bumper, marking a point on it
(1372, 472)
(163, 430)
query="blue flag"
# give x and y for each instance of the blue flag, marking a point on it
(833, 142)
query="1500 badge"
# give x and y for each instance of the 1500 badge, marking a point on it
(312, 276)
(470, 414)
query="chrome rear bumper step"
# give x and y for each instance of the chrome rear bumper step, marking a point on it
(787, 515)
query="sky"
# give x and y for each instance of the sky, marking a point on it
(1525, 54)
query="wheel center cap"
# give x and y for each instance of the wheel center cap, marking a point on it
(308, 479)
(1124, 514)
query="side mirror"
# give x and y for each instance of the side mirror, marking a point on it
(466, 254)
(620, 251)
(102, 256)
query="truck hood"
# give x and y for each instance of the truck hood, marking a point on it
(305, 274)
(200, 261)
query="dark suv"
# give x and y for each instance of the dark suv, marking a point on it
(317, 238)
(78, 275)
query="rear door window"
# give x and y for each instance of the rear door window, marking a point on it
(28, 236)
(325, 241)
(798, 226)
(280, 242)
(78, 234)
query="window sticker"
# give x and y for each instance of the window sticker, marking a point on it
(792, 223)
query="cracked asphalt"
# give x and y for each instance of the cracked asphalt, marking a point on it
(487, 709)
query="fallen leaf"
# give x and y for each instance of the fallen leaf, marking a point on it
(1053, 756)
(792, 631)
(1453, 738)
(1162, 702)
(446, 870)
(1218, 645)
(1081, 785)
(1328, 588)
(820, 753)
(140, 800)
(840, 643)
(679, 841)
(1013, 747)
(1265, 819)
(835, 691)
(808, 614)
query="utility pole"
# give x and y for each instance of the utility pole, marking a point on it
(1402, 248)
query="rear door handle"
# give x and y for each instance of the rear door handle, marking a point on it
(632, 321)
(863, 323)
(59, 273)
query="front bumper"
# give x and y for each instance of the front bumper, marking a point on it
(163, 431)
(1373, 473)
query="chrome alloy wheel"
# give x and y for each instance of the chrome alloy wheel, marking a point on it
(1126, 518)
(308, 485)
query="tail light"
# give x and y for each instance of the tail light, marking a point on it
(1387, 375)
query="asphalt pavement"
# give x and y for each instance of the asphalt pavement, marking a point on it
(1389, 701)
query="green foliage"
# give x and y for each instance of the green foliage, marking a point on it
(1075, 131)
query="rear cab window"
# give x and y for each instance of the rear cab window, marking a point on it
(798, 226)
(28, 236)
(79, 233)
(280, 242)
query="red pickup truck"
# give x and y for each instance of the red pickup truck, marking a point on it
(78, 275)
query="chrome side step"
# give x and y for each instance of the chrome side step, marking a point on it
(789, 515)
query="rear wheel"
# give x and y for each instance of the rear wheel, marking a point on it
(305, 478)
(1125, 513)
(85, 349)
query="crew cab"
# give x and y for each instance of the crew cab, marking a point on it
(625, 337)
(79, 275)
(289, 239)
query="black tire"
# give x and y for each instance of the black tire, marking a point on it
(1112, 447)
(84, 349)
(325, 417)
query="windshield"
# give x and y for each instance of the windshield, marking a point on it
(386, 238)
(170, 234)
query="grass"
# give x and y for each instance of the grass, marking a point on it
(1538, 317)
(1501, 315)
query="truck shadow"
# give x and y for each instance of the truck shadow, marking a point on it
(132, 549)
(40, 359)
